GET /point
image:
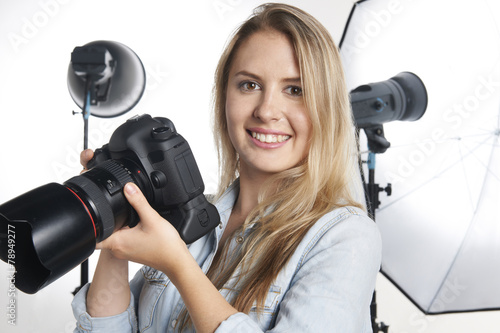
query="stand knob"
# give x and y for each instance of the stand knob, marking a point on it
(387, 189)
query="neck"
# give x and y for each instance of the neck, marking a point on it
(250, 186)
(247, 200)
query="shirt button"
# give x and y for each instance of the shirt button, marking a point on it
(220, 225)
(173, 323)
(239, 239)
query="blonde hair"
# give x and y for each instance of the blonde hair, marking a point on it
(296, 198)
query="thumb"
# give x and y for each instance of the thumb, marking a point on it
(139, 202)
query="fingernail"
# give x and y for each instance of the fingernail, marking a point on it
(130, 189)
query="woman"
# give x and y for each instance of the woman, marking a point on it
(295, 251)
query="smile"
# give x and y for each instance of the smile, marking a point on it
(270, 138)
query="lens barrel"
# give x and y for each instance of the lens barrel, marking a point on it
(57, 226)
(101, 190)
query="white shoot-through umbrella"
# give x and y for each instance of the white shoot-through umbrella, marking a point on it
(441, 225)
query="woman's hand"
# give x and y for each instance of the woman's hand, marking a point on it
(85, 157)
(153, 242)
(156, 243)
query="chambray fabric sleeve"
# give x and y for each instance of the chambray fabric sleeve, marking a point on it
(120, 323)
(333, 284)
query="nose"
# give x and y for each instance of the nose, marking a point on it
(269, 107)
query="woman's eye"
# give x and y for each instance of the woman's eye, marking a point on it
(249, 86)
(294, 91)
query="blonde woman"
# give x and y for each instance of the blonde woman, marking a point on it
(295, 250)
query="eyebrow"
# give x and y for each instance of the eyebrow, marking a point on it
(256, 77)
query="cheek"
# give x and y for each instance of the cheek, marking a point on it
(229, 114)
(303, 125)
(232, 118)
(238, 110)
(230, 109)
(303, 130)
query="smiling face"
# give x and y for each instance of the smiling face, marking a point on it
(267, 120)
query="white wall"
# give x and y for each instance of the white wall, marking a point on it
(179, 43)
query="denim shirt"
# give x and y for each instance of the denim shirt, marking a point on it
(327, 285)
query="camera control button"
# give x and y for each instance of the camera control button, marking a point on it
(112, 186)
(161, 133)
(158, 179)
(203, 218)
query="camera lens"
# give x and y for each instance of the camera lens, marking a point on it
(57, 226)
(101, 190)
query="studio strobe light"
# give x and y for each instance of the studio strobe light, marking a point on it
(402, 97)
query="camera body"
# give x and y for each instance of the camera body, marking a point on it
(149, 152)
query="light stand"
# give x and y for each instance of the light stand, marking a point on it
(402, 97)
(372, 190)
(109, 77)
(377, 144)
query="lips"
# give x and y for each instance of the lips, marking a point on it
(268, 138)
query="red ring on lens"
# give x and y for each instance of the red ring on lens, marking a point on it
(88, 212)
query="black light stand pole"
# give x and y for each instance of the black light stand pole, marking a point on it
(372, 194)
(376, 144)
(84, 266)
(374, 189)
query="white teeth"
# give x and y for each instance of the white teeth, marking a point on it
(269, 138)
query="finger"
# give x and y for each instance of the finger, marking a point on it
(139, 202)
(85, 157)
(115, 243)
(109, 242)
(106, 243)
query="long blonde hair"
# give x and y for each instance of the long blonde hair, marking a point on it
(296, 198)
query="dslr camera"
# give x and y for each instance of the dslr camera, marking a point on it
(57, 226)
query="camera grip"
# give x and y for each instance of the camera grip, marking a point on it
(101, 155)
(200, 217)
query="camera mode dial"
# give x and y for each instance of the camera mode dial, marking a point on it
(161, 133)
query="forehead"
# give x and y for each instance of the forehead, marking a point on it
(266, 51)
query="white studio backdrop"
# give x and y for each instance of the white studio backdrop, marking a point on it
(179, 43)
